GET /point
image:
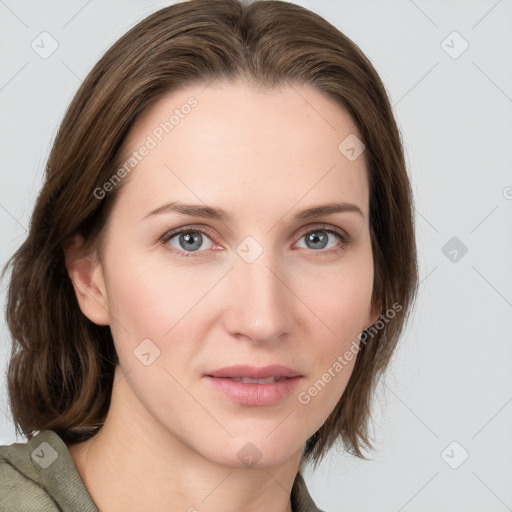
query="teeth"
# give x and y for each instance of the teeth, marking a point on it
(246, 380)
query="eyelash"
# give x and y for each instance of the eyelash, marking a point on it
(345, 239)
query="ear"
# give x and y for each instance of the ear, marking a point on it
(86, 274)
(373, 314)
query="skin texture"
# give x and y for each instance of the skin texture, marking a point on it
(170, 441)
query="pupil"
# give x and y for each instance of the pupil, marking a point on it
(315, 238)
(192, 241)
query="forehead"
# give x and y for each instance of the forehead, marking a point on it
(210, 141)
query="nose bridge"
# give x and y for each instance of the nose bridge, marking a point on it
(261, 302)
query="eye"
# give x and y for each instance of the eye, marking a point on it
(188, 241)
(318, 239)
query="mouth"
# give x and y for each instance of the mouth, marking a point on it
(251, 386)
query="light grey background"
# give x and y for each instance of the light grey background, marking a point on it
(451, 377)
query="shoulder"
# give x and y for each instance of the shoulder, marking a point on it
(18, 492)
(40, 476)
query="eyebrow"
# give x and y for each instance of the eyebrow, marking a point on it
(210, 212)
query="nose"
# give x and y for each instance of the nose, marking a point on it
(261, 304)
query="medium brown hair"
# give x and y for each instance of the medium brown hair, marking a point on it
(61, 370)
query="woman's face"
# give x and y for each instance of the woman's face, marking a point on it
(251, 281)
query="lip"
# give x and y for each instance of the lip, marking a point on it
(254, 394)
(252, 372)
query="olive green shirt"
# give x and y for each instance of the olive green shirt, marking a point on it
(40, 476)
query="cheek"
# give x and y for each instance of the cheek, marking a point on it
(319, 396)
(136, 301)
(151, 298)
(334, 352)
(341, 303)
(140, 298)
(341, 297)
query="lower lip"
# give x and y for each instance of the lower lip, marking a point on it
(253, 394)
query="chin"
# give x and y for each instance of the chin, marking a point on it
(255, 451)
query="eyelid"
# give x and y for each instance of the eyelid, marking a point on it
(346, 239)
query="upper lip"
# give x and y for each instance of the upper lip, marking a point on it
(252, 372)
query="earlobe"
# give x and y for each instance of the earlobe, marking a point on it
(374, 314)
(86, 274)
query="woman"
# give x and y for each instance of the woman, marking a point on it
(218, 268)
